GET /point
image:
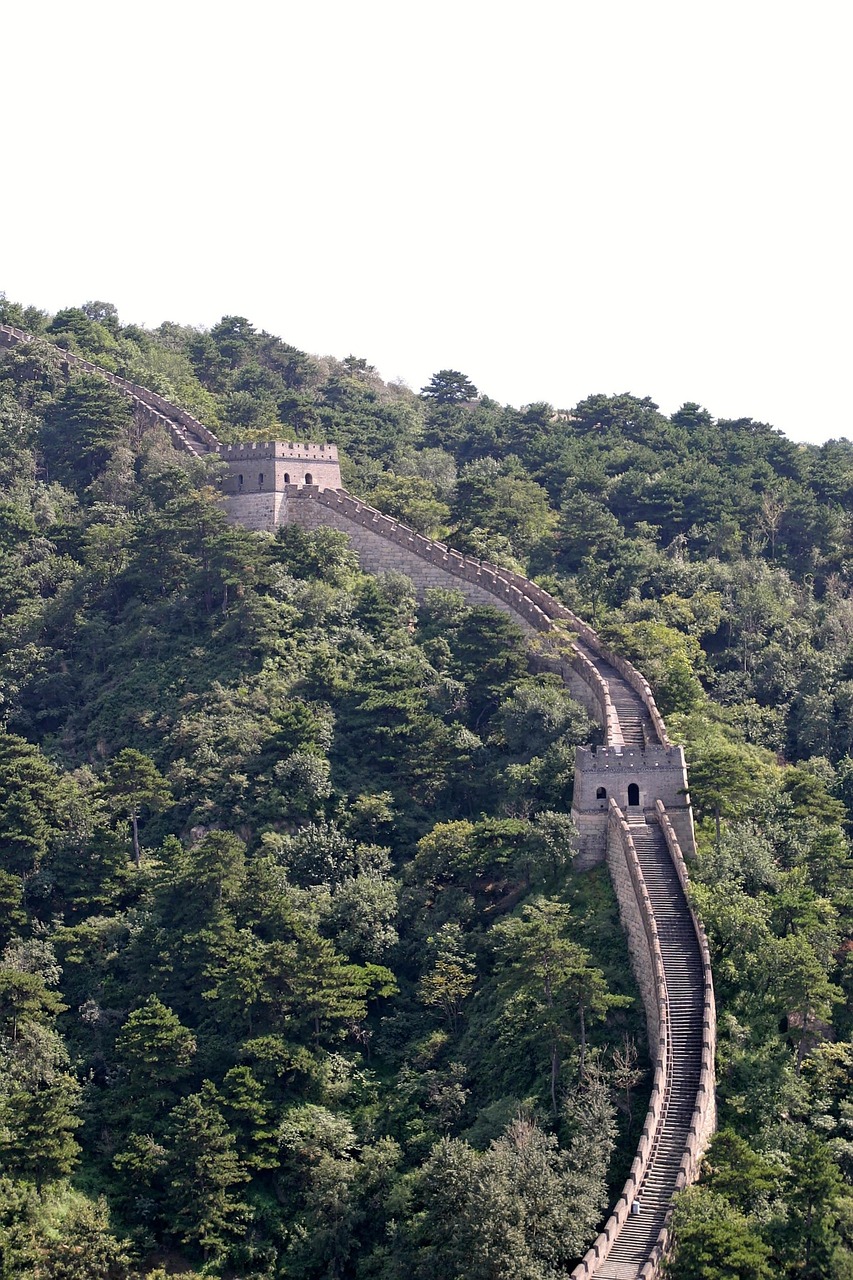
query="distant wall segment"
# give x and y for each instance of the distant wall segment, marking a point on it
(269, 484)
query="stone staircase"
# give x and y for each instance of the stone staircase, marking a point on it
(682, 962)
(634, 719)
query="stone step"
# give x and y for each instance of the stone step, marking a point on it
(684, 978)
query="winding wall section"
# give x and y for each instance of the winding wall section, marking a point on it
(631, 806)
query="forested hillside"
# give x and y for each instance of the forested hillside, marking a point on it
(297, 977)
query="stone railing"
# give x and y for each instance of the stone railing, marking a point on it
(530, 601)
(704, 1114)
(656, 997)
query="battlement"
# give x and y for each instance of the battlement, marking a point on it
(252, 450)
(635, 777)
(624, 759)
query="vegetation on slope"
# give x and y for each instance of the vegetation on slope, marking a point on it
(313, 1032)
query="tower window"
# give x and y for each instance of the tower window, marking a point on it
(287, 477)
(601, 793)
(261, 480)
(309, 479)
(239, 479)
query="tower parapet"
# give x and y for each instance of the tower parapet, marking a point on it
(636, 778)
(261, 474)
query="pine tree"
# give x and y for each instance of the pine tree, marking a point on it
(204, 1173)
(133, 783)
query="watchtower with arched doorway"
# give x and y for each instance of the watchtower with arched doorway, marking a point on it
(635, 777)
(261, 476)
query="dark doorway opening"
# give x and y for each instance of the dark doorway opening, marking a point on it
(633, 794)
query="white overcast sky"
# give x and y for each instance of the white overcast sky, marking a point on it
(557, 198)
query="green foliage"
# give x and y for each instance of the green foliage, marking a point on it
(82, 428)
(713, 1241)
(57, 1234)
(448, 386)
(314, 1031)
(31, 816)
(132, 783)
(154, 1052)
(513, 1210)
(498, 499)
(412, 500)
(451, 976)
(548, 983)
(666, 657)
(204, 1174)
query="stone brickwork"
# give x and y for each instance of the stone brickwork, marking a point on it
(647, 962)
(602, 773)
(379, 554)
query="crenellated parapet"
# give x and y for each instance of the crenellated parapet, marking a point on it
(636, 778)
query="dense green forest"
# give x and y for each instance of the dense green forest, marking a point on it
(297, 977)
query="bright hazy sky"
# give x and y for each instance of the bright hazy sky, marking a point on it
(557, 197)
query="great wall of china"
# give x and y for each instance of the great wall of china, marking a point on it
(631, 806)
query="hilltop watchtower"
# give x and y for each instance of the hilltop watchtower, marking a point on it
(259, 475)
(635, 777)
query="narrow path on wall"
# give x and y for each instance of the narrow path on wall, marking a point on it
(634, 719)
(682, 962)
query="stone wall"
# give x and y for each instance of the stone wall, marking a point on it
(260, 511)
(635, 910)
(382, 544)
(659, 772)
(704, 1120)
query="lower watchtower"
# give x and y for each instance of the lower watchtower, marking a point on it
(635, 777)
(255, 485)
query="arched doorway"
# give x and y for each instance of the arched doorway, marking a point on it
(601, 793)
(309, 479)
(633, 794)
